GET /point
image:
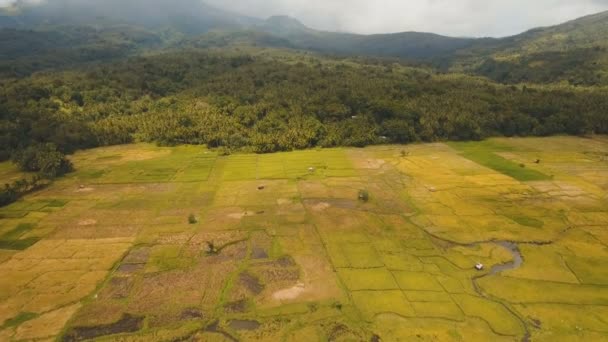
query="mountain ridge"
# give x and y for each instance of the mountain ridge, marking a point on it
(574, 51)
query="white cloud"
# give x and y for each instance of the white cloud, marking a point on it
(10, 2)
(449, 17)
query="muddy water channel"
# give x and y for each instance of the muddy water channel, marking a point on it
(516, 262)
(496, 269)
(517, 258)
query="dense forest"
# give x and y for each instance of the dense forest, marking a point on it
(271, 100)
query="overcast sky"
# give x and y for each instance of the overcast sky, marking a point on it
(477, 18)
(449, 17)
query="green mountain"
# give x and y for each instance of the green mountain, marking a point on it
(191, 17)
(65, 32)
(23, 52)
(576, 52)
(408, 45)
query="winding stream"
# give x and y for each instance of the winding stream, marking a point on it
(517, 259)
(496, 269)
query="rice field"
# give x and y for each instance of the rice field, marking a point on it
(147, 243)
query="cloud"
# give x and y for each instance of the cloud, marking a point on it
(11, 2)
(449, 17)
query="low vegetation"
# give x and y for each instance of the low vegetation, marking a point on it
(304, 259)
(45, 161)
(15, 190)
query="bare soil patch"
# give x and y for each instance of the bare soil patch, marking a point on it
(238, 306)
(321, 206)
(214, 327)
(286, 261)
(258, 253)
(117, 288)
(138, 255)
(290, 293)
(87, 222)
(126, 324)
(341, 332)
(251, 282)
(130, 268)
(241, 324)
(240, 215)
(275, 275)
(191, 314)
(326, 203)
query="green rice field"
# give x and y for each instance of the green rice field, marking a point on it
(147, 243)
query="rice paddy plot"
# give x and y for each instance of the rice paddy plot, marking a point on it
(148, 243)
(289, 165)
(486, 154)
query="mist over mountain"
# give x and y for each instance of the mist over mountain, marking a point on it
(188, 16)
(83, 30)
(192, 17)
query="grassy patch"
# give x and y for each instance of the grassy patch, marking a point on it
(11, 239)
(497, 316)
(368, 279)
(108, 158)
(589, 270)
(166, 258)
(534, 291)
(484, 153)
(91, 174)
(374, 302)
(17, 231)
(361, 255)
(9, 214)
(419, 281)
(57, 203)
(17, 320)
(18, 245)
(527, 221)
(447, 310)
(290, 165)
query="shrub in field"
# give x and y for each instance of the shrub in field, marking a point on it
(363, 195)
(43, 158)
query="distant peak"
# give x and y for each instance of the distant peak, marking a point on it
(285, 21)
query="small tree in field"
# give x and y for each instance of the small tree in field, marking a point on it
(212, 248)
(43, 158)
(363, 195)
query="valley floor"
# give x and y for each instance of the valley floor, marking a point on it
(144, 243)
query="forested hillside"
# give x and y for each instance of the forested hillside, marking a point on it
(575, 52)
(408, 45)
(264, 86)
(189, 17)
(74, 31)
(273, 100)
(25, 51)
